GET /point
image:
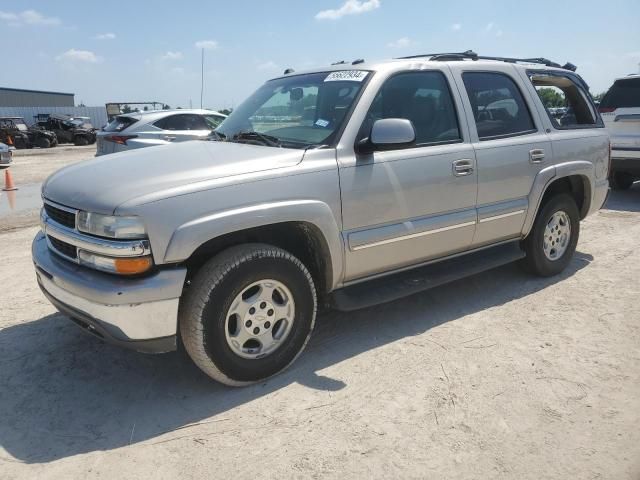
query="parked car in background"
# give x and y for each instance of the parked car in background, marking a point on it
(6, 156)
(344, 186)
(69, 129)
(15, 132)
(146, 129)
(620, 110)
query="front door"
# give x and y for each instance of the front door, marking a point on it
(404, 206)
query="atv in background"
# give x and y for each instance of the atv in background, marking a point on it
(15, 132)
(68, 129)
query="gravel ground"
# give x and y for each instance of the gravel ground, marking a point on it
(500, 375)
(34, 165)
(30, 168)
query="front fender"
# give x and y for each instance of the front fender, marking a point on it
(548, 175)
(189, 236)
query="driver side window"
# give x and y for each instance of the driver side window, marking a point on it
(425, 99)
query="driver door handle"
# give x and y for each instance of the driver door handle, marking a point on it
(462, 167)
(536, 155)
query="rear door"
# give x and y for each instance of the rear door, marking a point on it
(183, 126)
(620, 110)
(510, 144)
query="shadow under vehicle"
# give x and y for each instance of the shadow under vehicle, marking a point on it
(15, 132)
(69, 129)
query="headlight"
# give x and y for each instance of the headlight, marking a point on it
(111, 226)
(120, 265)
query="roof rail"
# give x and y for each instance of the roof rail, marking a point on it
(471, 55)
(445, 56)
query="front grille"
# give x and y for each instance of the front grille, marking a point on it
(68, 219)
(63, 247)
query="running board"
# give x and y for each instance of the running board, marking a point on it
(403, 284)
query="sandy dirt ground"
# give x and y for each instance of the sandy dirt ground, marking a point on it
(34, 165)
(498, 376)
(30, 168)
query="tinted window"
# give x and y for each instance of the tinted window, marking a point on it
(213, 121)
(183, 121)
(118, 124)
(498, 106)
(422, 97)
(623, 94)
(565, 102)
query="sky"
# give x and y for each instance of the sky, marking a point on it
(150, 51)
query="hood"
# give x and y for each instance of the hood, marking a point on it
(103, 183)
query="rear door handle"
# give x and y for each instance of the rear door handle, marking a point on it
(169, 138)
(463, 167)
(536, 155)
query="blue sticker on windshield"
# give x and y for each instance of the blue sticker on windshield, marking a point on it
(322, 123)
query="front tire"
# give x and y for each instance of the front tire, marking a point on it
(80, 141)
(553, 238)
(248, 314)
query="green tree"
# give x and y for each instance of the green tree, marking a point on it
(551, 98)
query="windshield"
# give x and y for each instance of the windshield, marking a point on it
(21, 125)
(623, 94)
(296, 112)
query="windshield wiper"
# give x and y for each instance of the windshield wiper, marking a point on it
(268, 140)
(217, 135)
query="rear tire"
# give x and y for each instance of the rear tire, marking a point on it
(214, 335)
(621, 181)
(80, 141)
(42, 142)
(553, 238)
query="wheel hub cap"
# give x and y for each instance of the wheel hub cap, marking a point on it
(259, 319)
(557, 234)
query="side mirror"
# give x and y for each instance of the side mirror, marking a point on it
(388, 134)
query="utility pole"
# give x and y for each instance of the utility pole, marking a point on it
(201, 77)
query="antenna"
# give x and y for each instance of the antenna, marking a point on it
(201, 77)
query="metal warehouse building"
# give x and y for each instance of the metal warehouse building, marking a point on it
(16, 97)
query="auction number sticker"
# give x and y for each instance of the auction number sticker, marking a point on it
(347, 75)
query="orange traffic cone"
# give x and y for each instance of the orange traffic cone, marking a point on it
(8, 182)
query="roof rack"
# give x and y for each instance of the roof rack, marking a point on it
(471, 55)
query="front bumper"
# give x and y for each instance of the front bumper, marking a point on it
(138, 313)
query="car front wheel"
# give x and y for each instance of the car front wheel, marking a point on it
(248, 314)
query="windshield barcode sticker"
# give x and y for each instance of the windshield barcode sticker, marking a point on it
(347, 75)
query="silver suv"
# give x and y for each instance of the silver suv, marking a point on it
(146, 129)
(620, 109)
(345, 186)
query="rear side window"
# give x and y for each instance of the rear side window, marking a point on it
(565, 101)
(184, 121)
(422, 97)
(213, 121)
(118, 124)
(624, 93)
(498, 106)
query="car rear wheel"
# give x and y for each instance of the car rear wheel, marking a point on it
(248, 314)
(42, 142)
(552, 241)
(621, 181)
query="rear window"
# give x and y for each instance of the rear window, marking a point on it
(565, 101)
(118, 124)
(623, 94)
